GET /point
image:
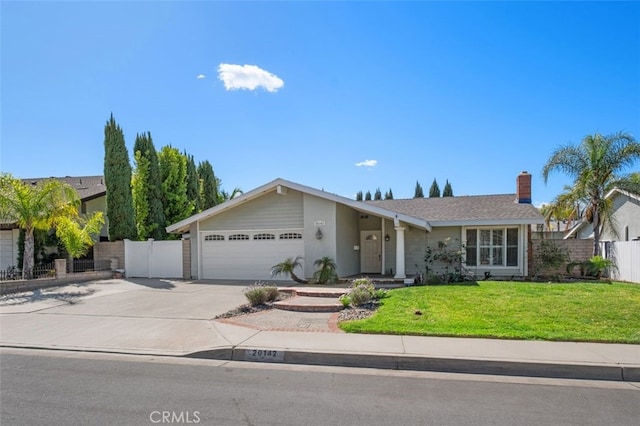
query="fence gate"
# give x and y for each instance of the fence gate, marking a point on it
(153, 259)
(626, 256)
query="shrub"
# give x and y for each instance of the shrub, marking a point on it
(549, 256)
(326, 272)
(361, 292)
(259, 294)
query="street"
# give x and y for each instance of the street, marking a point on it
(65, 388)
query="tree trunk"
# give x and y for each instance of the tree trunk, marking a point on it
(596, 231)
(28, 258)
(298, 280)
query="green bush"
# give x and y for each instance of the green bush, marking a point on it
(361, 292)
(259, 294)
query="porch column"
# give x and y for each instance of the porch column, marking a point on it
(400, 252)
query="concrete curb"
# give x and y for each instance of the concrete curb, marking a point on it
(504, 367)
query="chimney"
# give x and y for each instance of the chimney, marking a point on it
(523, 188)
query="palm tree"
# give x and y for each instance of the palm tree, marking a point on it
(78, 234)
(287, 267)
(326, 272)
(565, 207)
(32, 207)
(596, 166)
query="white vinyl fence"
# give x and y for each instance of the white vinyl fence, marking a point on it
(626, 256)
(153, 259)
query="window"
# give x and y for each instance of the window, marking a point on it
(291, 236)
(214, 237)
(238, 237)
(371, 237)
(492, 247)
(264, 237)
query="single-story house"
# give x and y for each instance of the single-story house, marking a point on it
(92, 192)
(625, 215)
(244, 237)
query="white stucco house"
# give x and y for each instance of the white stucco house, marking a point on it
(92, 192)
(625, 215)
(244, 237)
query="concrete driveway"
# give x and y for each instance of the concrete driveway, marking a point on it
(146, 315)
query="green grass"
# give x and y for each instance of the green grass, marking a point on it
(588, 312)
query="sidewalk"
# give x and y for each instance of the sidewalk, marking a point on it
(175, 319)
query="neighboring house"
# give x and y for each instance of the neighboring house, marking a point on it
(244, 237)
(92, 192)
(626, 219)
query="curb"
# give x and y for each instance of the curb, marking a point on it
(443, 365)
(606, 372)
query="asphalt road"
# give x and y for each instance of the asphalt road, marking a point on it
(57, 388)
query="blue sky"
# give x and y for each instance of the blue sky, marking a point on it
(472, 92)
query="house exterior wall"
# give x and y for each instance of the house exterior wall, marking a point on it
(317, 210)
(9, 248)
(389, 247)
(98, 205)
(450, 234)
(270, 211)
(626, 214)
(195, 254)
(347, 236)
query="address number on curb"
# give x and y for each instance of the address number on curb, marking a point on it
(263, 355)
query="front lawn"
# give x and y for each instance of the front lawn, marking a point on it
(592, 312)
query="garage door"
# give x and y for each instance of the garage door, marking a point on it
(248, 254)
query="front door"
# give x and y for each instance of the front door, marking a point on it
(371, 252)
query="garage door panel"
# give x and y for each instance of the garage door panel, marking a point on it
(247, 259)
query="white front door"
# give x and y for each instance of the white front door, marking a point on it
(371, 252)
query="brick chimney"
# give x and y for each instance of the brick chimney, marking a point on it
(523, 188)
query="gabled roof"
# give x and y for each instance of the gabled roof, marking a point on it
(183, 226)
(87, 187)
(466, 210)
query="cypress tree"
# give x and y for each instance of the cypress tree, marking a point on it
(147, 192)
(359, 196)
(208, 185)
(447, 192)
(193, 193)
(117, 179)
(377, 195)
(434, 191)
(388, 195)
(367, 196)
(418, 192)
(173, 175)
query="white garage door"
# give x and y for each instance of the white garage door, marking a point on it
(248, 254)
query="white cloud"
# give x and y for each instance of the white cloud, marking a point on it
(248, 77)
(367, 163)
(201, 76)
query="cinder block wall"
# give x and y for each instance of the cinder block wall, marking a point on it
(106, 250)
(579, 250)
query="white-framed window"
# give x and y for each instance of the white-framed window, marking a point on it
(238, 237)
(290, 236)
(491, 247)
(264, 237)
(214, 237)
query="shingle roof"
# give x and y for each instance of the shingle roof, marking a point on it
(88, 187)
(478, 209)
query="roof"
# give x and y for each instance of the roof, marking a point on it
(183, 226)
(421, 212)
(87, 187)
(465, 210)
